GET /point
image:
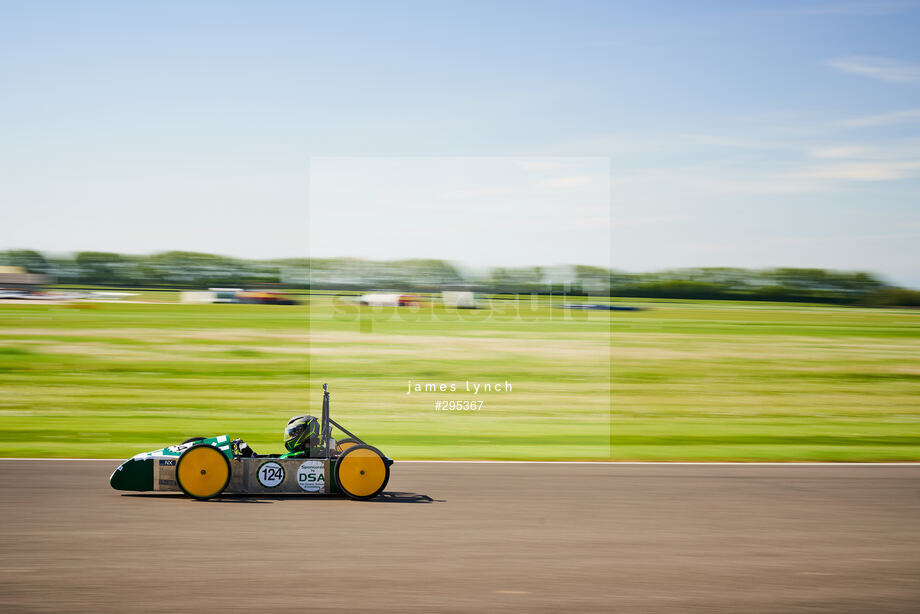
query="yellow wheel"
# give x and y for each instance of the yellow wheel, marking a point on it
(341, 446)
(361, 472)
(203, 472)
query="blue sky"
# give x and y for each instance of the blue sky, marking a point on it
(734, 133)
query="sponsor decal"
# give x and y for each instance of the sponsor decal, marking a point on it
(311, 476)
(167, 463)
(270, 474)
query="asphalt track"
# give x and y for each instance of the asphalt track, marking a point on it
(473, 538)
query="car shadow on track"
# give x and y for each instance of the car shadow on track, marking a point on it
(405, 497)
(385, 497)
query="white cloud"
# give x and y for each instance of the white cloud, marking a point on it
(844, 151)
(884, 119)
(864, 171)
(647, 221)
(882, 69)
(478, 192)
(856, 164)
(893, 150)
(568, 181)
(754, 183)
(538, 165)
(733, 142)
(876, 7)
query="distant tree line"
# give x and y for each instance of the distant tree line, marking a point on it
(197, 270)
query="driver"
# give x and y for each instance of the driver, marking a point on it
(300, 435)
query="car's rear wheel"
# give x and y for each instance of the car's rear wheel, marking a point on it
(361, 472)
(343, 444)
(203, 472)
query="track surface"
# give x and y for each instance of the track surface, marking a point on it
(473, 538)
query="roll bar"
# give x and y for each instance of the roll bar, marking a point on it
(328, 423)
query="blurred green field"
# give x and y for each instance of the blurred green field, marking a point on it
(690, 381)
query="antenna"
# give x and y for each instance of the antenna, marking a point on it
(325, 428)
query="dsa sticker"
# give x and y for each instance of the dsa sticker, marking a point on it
(270, 474)
(311, 476)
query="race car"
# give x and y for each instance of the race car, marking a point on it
(205, 467)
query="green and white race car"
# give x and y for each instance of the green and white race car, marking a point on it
(205, 467)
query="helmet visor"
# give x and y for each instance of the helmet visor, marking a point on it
(297, 434)
(292, 433)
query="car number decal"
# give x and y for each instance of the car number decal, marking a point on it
(270, 474)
